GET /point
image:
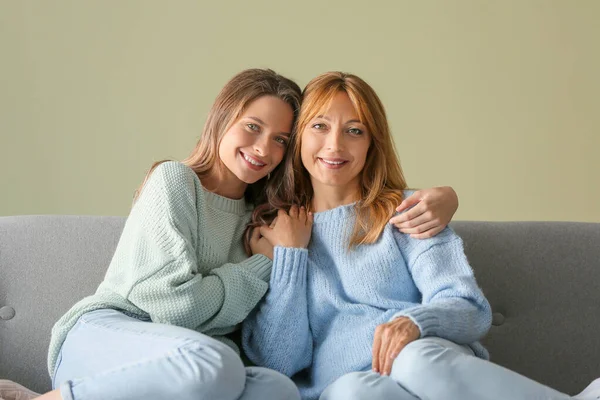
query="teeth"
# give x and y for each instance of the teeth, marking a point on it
(332, 162)
(252, 161)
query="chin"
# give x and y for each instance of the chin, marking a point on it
(249, 179)
(252, 181)
(334, 183)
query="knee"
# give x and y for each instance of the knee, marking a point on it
(418, 361)
(264, 383)
(210, 371)
(352, 386)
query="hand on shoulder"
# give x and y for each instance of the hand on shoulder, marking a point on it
(425, 213)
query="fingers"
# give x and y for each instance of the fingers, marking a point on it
(254, 237)
(376, 348)
(281, 213)
(422, 227)
(305, 216)
(409, 215)
(383, 350)
(380, 349)
(310, 218)
(302, 214)
(390, 339)
(294, 211)
(393, 350)
(410, 201)
(415, 222)
(266, 232)
(428, 234)
(273, 223)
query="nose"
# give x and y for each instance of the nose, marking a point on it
(261, 145)
(335, 139)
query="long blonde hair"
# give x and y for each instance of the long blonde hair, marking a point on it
(228, 107)
(381, 180)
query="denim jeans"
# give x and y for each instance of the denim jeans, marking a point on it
(108, 355)
(437, 369)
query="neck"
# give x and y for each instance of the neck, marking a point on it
(328, 197)
(224, 183)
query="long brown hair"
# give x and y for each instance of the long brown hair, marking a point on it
(228, 107)
(381, 180)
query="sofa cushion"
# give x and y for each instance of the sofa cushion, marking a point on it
(540, 277)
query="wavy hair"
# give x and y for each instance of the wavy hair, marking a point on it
(230, 104)
(381, 180)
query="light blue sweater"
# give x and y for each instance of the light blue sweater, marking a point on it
(324, 303)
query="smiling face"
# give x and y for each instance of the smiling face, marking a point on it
(256, 143)
(334, 146)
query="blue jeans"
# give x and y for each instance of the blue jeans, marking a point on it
(437, 369)
(108, 355)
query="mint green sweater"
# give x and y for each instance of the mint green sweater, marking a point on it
(180, 261)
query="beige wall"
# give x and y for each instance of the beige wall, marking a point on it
(499, 99)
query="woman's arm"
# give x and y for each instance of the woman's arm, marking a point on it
(276, 334)
(453, 306)
(156, 260)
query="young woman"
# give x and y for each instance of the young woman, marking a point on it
(360, 310)
(180, 281)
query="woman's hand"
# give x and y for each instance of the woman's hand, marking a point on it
(390, 339)
(432, 209)
(260, 245)
(291, 229)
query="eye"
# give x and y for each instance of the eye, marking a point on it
(355, 131)
(253, 127)
(281, 140)
(318, 126)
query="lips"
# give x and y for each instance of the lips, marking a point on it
(252, 162)
(332, 163)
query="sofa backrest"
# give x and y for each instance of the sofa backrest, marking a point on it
(540, 277)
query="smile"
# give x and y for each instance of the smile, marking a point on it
(252, 161)
(332, 163)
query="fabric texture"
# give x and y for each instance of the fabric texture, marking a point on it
(540, 278)
(179, 261)
(132, 359)
(434, 368)
(332, 299)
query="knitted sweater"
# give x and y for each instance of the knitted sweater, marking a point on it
(180, 261)
(323, 304)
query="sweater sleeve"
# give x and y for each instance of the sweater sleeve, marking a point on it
(158, 256)
(453, 306)
(276, 334)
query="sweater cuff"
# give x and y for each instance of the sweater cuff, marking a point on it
(423, 317)
(259, 265)
(289, 265)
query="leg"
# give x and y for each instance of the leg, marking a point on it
(108, 355)
(365, 385)
(263, 383)
(437, 369)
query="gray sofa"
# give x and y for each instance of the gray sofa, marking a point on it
(542, 279)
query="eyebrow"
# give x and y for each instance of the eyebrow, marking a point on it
(347, 122)
(260, 121)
